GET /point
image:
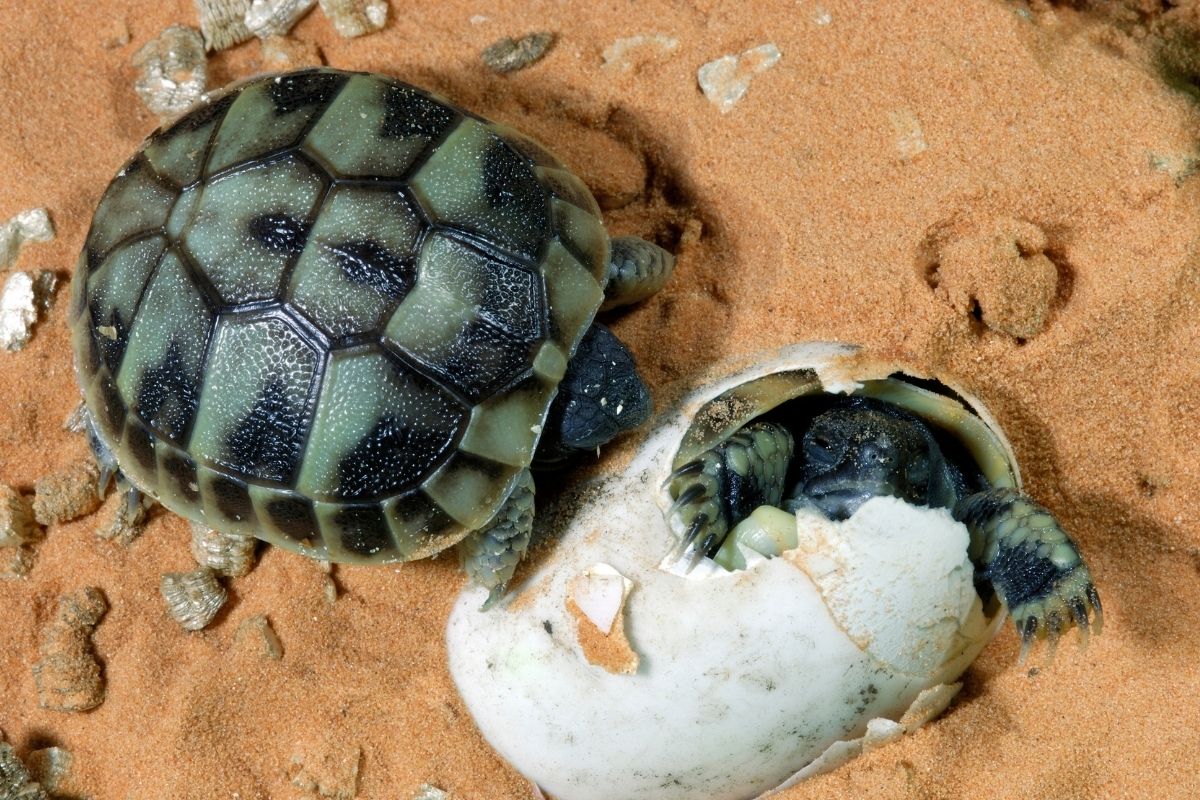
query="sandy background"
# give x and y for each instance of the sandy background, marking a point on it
(1052, 198)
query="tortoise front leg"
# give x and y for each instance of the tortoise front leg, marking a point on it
(636, 269)
(724, 485)
(1018, 546)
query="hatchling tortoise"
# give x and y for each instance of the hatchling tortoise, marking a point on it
(900, 437)
(336, 312)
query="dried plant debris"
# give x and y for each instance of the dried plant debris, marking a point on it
(726, 80)
(193, 598)
(255, 634)
(353, 18)
(281, 53)
(124, 522)
(17, 525)
(31, 225)
(25, 295)
(509, 55)
(224, 553)
(68, 675)
(223, 22)
(67, 495)
(15, 562)
(50, 767)
(16, 782)
(633, 52)
(326, 767)
(267, 18)
(173, 71)
(114, 34)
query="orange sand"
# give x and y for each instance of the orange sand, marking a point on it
(819, 221)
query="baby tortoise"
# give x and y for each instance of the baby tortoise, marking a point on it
(901, 437)
(336, 312)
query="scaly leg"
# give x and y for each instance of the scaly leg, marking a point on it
(490, 555)
(1035, 568)
(723, 485)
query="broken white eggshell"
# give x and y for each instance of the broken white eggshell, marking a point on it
(743, 681)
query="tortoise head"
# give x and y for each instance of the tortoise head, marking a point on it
(861, 449)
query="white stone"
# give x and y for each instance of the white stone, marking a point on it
(19, 303)
(173, 71)
(31, 225)
(266, 18)
(355, 17)
(726, 80)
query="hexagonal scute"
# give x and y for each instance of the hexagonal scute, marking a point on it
(271, 114)
(358, 263)
(163, 367)
(377, 128)
(379, 430)
(473, 320)
(250, 224)
(255, 409)
(477, 183)
(135, 202)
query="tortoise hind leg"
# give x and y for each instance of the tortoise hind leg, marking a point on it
(636, 269)
(1035, 567)
(490, 555)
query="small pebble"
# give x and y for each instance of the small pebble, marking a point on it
(223, 22)
(66, 495)
(910, 140)
(68, 677)
(123, 523)
(268, 18)
(193, 598)
(15, 562)
(16, 783)
(633, 52)
(173, 71)
(257, 634)
(17, 526)
(49, 767)
(352, 18)
(281, 54)
(32, 225)
(509, 55)
(327, 767)
(115, 34)
(428, 791)
(23, 298)
(726, 80)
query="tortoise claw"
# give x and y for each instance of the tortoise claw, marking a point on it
(1071, 602)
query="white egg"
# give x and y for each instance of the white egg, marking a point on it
(613, 672)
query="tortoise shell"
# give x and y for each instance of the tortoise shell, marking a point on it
(330, 310)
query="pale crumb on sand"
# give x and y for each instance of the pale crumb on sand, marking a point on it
(68, 676)
(173, 71)
(267, 19)
(352, 18)
(631, 53)
(325, 765)
(192, 598)
(726, 80)
(68, 494)
(31, 225)
(282, 53)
